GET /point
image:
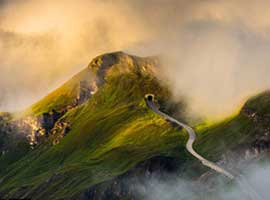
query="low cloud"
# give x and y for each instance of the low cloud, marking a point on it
(43, 43)
(255, 187)
(214, 52)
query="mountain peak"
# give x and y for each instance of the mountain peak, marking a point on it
(120, 62)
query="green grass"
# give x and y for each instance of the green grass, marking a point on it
(18, 147)
(215, 140)
(61, 97)
(110, 134)
(236, 131)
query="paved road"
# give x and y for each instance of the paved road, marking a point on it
(191, 139)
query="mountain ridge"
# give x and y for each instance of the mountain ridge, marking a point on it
(106, 133)
(114, 122)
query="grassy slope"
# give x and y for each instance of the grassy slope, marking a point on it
(17, 149)
(110, 134)
(227, 135)
(232, 134)
(67, 93)
(61, 97)
(236, 131)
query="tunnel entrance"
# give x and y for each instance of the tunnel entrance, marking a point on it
(150, 97)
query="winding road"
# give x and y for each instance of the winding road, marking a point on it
(191, 139)
(240, 179)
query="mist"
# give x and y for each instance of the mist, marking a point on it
(257, 176)
(215, 53)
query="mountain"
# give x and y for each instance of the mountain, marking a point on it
(249, 130)
(91, 136)
(108, 133)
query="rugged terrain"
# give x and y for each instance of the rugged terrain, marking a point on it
(95, 133)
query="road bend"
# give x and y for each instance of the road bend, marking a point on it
(191, 139)
(240, 179)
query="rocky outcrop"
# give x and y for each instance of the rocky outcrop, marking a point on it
(105, 65)
(60, 130)
(84, 85)
(36, 128)
(86, 90)
(261, 139)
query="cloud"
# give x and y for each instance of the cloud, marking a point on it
(214, 52)
(253, 186)
(42, 43)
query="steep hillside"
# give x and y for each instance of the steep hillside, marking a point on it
(86, 83)
(240, 140)
(109, 134)
(96, 131)
(43, 118)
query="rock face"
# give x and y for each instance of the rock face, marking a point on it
(60, 130)
(85, 92)
(106, 65)
(36, 128)
(261, 140)
(85, 84)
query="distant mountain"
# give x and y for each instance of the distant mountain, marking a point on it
(86, 139)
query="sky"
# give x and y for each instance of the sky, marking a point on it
(214, 52)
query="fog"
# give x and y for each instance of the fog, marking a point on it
(257, 176)
(214, 52)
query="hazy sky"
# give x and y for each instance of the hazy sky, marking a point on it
(215, 51)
